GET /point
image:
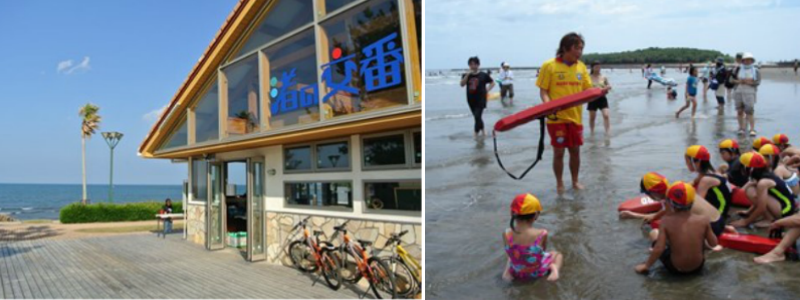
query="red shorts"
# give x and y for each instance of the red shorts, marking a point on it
(565, 135)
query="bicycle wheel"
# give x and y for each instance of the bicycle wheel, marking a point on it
(348, 269)
(330, 268)
(404, 282)
(302, 256)
(382, 281)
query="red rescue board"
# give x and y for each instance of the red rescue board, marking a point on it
(548, 108)
(739, 197)
(641, 204)
(748, 242)
(742, 242)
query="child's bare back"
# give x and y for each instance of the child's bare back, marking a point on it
(685, 233)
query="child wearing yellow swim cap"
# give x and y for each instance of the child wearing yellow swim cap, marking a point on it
(526, 245)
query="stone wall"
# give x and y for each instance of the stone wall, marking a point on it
(196, 223)
(279, 236)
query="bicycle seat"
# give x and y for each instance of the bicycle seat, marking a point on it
(317, 232)
(364, 243)
(338, 228)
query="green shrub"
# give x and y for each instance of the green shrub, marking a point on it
(112, 212)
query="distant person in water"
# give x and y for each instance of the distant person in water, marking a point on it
(599, 81)
(796, 65)
(704, 75)
(672, 94)
(506, 84)
(691, 93)
(718, 78)
(563, 76)
(526, 246)
(476, 83)
(647, 73)
(747, 80)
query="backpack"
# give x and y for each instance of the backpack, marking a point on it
(731, 76)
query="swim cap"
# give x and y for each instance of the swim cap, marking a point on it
(769, 149)
(780, 139)
(698, 152)
(654, 183)
(729, 144)
(759, 142)
(681, 194)
(753, 160)
(525, 204)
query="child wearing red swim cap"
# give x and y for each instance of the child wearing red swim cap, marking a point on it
(526, 245)
(682, 235)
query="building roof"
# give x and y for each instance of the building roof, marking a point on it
(242, 9)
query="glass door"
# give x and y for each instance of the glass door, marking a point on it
(255, 209)
(215, 207)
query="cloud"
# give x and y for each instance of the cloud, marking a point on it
(64, 65)
(152, 116)
(68, 67)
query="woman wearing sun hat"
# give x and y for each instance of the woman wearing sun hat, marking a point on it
(747, 80)
(769, 194)
(525, 245)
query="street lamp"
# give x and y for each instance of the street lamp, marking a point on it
(112, 139)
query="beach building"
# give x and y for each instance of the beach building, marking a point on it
(317, 104)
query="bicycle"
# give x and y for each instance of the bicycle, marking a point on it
(377, 273)
(407, 270)
(310, 255)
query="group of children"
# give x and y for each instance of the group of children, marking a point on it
(693, 215)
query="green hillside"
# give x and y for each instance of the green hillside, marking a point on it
(656, 55)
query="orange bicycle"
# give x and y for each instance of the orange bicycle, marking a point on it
(357, 264)
(310, 255)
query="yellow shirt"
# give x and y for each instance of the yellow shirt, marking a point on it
(561, 80)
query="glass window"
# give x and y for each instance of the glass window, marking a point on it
(385, 151)
(243, 106)
(199, 183)
(332, 5)
(394, 195)
(319, 194)
(417, 147)
(282, 18)
(180, 137)
(333, 156)
(293, 94)
(298, 158)
(206, 116)
(363, 68)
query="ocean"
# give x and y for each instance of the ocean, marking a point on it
(43, 201)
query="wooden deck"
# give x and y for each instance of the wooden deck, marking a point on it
(143, 266)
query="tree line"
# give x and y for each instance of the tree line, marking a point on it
(657, 55)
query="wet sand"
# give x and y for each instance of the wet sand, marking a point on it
(468, 195)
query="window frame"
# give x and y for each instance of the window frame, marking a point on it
(193, 107)
(191, 199)
(368, 210)
(337, 208)
(414, 163)
(408, 150)
(313, 146)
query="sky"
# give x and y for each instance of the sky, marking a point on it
(128, 57)
(527, 32)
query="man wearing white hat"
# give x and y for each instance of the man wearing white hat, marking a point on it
(747, 80)
(506, 83)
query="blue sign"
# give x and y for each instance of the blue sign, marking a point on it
(380, 68)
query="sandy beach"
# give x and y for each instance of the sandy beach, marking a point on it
(469, 195)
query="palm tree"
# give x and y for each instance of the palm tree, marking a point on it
(90, 123)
